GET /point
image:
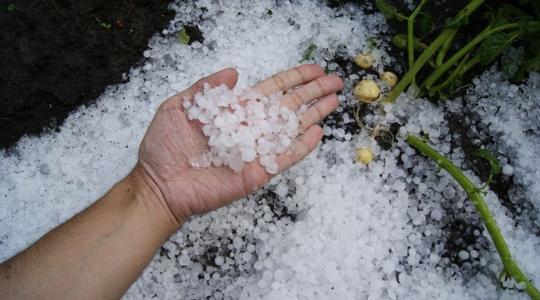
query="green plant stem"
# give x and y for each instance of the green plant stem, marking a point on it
(466, 49)
(410, 36)
(401, 17)
(444, 49)
(463, 67)
(430, 50)
(510, 266)
(458, 71)
(420, 62)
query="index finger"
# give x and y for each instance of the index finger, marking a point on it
(289, 79)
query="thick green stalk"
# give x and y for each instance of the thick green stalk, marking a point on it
(466, 49)
(461, 69)
(510, 266)
(430, 50)
(420, 62)
(465, 65)
(444, 49)
(410, 36)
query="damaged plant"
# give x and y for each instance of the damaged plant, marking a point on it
(506, 26)
(510, 267)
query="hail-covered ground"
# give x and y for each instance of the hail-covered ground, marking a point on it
(329, 228)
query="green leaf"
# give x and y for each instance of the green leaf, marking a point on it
(500, 21)
(534, 3)
(492, 46)
(183, 37)
(508, 11)
(529, 30)
(10, 7)
(512, 57)
(400, 40)
(372, 43)
(103, 24)
(309, 52)
(389, 11)
(531, 63)
(493, 161)
(457, 22)
(425, 24)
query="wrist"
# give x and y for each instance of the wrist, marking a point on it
(151, 198)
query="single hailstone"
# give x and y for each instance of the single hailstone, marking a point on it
(219, 260)
(367, 90)
(463, 254)
(239, 132)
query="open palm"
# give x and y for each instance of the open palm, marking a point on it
(172, 139)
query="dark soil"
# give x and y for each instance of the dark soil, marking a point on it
(58, 55)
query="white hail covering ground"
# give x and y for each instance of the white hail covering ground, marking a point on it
(511, 114)
(361, 232)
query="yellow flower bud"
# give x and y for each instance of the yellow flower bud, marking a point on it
(364, 61)
(367, 90)
(364, 155)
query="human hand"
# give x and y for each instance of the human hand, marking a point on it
(172, 139)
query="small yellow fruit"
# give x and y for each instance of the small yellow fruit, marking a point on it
(367, 90)
(364, 61)
(364, 155)
(390, 79)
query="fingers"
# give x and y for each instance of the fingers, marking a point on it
(228, 76)
(318, 111)
(289, 79)
(255, 176)
(302, 147)
(317, 88)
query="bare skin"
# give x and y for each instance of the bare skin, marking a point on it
(100, 252)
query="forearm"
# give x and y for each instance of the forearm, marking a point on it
(98, 253)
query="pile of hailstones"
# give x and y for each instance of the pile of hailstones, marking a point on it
(241, 126)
